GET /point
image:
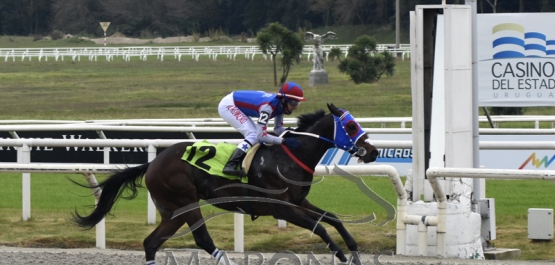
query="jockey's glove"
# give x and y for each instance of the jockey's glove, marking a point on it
(292, 143)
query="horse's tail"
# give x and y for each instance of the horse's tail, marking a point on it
(112, 190)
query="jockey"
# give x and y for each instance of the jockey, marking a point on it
(236, 109)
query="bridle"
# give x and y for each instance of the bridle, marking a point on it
(341, 138)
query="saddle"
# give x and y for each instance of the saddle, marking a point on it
(212, 158)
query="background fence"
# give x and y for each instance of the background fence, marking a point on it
(161, 52)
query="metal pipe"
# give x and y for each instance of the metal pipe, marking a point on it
(422, 239)
(435, 172)
(441, 229)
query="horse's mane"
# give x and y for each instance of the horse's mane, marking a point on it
(305, 121)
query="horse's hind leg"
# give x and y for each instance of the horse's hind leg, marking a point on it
(165, 229)
(319, 214)
(298, 217)
(203, 239)
(169, 226)
(201, 235)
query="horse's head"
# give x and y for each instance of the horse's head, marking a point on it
(349, 136)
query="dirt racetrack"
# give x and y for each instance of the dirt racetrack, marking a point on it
(91, 256)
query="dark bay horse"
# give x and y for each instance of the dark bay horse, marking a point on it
(278, 183)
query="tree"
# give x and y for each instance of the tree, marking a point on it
(41, 14)
(363, 63)
(351, 11)
(153, 17)
(24, 17)
(234, 19)
(276, 39)
(13, 18)
(255, 14)
(78, 16)
(323, 7)
(292, 13)
(548, 6)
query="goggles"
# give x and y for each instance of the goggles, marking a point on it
(293, 103)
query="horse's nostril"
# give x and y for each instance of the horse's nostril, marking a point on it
(375, 154)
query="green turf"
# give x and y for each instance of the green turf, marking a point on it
(187, 89)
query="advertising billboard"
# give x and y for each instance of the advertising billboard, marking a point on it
(516, 59)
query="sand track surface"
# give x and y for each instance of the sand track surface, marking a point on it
(91, 256)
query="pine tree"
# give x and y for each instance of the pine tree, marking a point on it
(364, 63)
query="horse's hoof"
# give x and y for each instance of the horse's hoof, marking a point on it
(341, 257)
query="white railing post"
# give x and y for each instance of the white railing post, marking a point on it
(106, 150)
(151, 208)
(101, 226)
(239, 232)
(24, 156)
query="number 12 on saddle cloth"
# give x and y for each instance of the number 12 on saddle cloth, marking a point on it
(212, 158)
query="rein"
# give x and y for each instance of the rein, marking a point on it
(341, 139)
(295, 159)
(313, 135)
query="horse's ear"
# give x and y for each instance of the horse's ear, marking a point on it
(334, 110)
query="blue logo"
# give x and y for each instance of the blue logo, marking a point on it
(512, 41)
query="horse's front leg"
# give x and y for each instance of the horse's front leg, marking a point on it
(298, 217)
(319, 214)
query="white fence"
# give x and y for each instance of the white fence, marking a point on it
(385, 122)
(25, 164)
(88, 170)
(161, 52)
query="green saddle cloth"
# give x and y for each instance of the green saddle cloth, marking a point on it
(211, 158)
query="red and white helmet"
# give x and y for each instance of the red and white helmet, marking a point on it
(292, 91)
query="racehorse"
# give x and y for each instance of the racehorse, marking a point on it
(278, 183)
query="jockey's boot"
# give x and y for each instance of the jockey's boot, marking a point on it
(233, 166)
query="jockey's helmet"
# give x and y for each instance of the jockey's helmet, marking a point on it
(291, 91)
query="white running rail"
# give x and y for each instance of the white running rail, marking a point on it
(144, 53)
